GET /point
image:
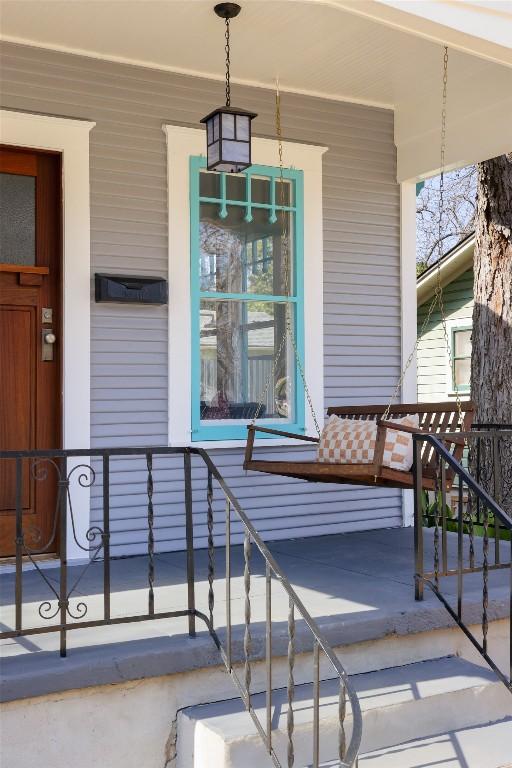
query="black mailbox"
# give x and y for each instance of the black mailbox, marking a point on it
(133, 289)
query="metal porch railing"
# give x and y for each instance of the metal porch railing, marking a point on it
(472, 533)
(66, 610)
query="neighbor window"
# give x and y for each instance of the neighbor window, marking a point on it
(246, 280)
(461, 359)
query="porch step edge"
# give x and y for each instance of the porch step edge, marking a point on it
(398, 703)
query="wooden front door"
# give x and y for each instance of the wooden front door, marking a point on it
(30, 336)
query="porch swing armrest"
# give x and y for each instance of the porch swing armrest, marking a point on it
(280, 433)
(415, 430)
(253, 428)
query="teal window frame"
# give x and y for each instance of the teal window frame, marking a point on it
(457, 329)
(203, 432)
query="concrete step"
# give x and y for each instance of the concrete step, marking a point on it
(398, 704)
(487, 746)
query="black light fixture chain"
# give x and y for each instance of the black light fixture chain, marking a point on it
(228, 62)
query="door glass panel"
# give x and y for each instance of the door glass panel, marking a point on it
(17, 219)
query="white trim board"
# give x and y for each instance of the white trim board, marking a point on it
(71, 138)
(182, 143)
(408, 328)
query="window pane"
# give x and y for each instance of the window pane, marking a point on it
(283, 188)
(236, 187)
(260, 190)
(236, 256)
(17, 219)
(462, 342)
(239, 340)
(462, 372)
(209, 184)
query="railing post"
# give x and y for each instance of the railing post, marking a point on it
(189, 525)
(228, 584)
(18, 598)
(460, 549)
(106, 536)
(211, 547)
(498, 488)
(268, 652)
(63, 486)
(418, 521)
(151, 536)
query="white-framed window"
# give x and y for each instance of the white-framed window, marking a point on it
(461, 358)
(219, 311)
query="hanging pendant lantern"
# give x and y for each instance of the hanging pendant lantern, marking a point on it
(228, 130)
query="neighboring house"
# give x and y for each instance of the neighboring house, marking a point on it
(443, 373)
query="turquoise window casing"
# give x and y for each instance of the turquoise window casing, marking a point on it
(201, 429)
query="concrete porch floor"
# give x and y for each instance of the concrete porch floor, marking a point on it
(358, 587)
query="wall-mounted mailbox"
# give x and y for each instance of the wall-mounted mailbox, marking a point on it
(133, 289)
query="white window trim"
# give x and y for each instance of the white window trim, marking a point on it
(454, 324)
(182, 143)
(71, 138)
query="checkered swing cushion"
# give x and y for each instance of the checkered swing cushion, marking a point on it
(352, 441)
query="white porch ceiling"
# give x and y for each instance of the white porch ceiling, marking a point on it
(352, 50)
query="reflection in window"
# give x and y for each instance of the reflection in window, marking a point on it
(239, 341)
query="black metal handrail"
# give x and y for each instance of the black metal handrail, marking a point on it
(96, 543)
(474, 504)
(347, 754)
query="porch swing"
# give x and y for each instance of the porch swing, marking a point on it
(385, 422)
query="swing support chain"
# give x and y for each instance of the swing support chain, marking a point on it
(288, 331)
(437, 300)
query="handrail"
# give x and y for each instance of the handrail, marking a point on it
(348, 755)
(478, 517)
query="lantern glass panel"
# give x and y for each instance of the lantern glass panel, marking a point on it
(242, 127)
(215, 127)
(235, 152)
(213, 153)
(209, 131)
(228, 126)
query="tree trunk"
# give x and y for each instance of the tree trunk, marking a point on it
(491, 366)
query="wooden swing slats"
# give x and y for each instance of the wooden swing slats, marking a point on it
(434, 418)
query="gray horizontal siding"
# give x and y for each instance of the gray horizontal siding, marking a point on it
(129, 233)
(433, 382)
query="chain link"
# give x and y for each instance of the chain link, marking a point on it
(228, 64)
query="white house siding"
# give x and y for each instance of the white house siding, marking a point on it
(129, 220)
(433, 366)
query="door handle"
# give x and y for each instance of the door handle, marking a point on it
(48, 341)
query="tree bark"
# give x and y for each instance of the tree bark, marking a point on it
(491, 365)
